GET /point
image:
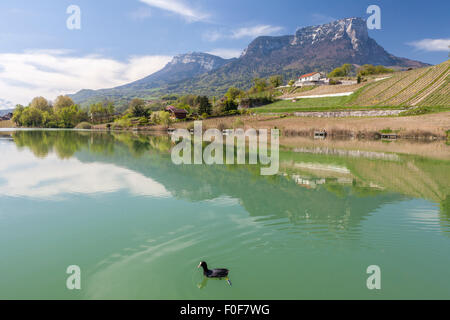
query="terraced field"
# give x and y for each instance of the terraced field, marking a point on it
(440, 97)
(424, 86)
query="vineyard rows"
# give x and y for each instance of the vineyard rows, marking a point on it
(424, 86)
(419, 88)
(440, 97)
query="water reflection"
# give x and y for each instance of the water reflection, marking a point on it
(138, 224)
(204, 283)
(330, 186)
(52, 179)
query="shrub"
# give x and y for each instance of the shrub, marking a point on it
(123, 122)
(84, 125)
(161, 117)
(341, 71)
(257, 101)
(142, 121)
(333, 82)
(369, 69)
(417, 111)
(154, 118)
(228, 105)
(138, 109)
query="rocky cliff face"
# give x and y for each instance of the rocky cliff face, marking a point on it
(353, 29)
(205, 62)
(323, 47)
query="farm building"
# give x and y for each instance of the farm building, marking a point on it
(177, 113)
(311, 79)
(6, 117)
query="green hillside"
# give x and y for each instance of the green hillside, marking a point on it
(420, 87)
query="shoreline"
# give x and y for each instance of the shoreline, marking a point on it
(434, 126)
(429, 126)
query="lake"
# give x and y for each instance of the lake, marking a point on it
(138, 225)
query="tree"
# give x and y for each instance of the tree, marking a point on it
(17, 114)
(204, 105)
(40, 103)
(260, 85)
(227, 105)
(161, 117)
(188, 99)
(62, 102)
(342, 71)
(111, 108)
(233, 93)
(369, 69)
(31, 117)
(49, 120)
(70, 117)
(137, 108)
(276, 81)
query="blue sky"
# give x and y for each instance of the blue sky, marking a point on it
(121, 41)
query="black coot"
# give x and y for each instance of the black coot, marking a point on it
(214, 273)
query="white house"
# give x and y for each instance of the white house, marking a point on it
(315, 76)
(311, 79)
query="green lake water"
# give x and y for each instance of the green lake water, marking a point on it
(137, 225)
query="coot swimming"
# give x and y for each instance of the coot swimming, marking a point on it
(214, 273)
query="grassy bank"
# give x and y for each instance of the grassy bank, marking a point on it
(318, 104)
(416, 127)
(305, 104)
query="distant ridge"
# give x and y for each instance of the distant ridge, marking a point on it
(316, 48)
(5, 111)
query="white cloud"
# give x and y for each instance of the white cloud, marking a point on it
(50, 73)
(255, 31)
(5, 104)
(431, 44)
(178, 7)
(226, 53)
(53, 179)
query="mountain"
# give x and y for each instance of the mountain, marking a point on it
(5, 112)
(316, 48)
(183, 66)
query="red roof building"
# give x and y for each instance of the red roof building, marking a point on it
(310, 76)
(177, 113)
